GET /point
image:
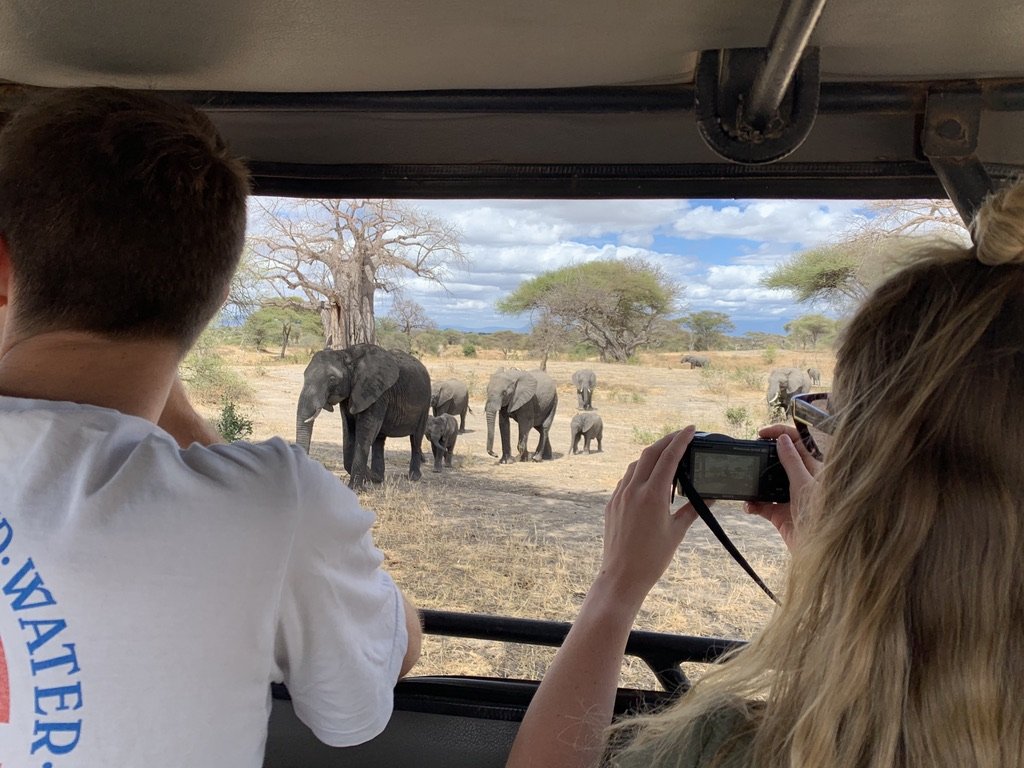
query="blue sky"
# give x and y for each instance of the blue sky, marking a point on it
(717, 249)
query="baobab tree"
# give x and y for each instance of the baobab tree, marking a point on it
(339, 253)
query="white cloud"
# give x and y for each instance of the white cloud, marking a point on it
(804, 222)
(509, 241)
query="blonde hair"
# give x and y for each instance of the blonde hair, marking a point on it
(899, 642)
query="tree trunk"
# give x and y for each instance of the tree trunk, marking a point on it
(332, 316)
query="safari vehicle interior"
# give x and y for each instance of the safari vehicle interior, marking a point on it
(555, 99)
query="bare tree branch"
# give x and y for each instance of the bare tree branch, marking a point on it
(339, 253)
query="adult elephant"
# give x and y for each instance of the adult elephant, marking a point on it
(382, 393)
(528, 397)
(783, 383)
(584, 380)
(451, 396)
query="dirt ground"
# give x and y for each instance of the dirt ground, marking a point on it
(525, 539)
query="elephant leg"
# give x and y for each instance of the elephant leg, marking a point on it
(586, 444)
(376, 473)
(462, 422)
(506, 439)
(367, 428)
(348, 442)
(448, 452)
(416, 457)
(438, 455)
(524, 436)
(599, 442)
(543, 445)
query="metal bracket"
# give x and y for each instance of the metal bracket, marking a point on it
(723, 81)
(949, 138)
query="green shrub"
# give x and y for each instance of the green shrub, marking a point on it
(749, 377)
(737, 416)
(209, 379)
(770, 354)
(644, 436)
(232, 425)
(713, 379)
(468, 350)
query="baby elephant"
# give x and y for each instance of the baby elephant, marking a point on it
(815, 375)
(441, 432)
(589, 426)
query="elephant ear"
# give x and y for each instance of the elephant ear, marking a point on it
(526, 387)
(375, 372)
(444, 396)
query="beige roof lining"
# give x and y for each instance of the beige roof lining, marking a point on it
(342, 45)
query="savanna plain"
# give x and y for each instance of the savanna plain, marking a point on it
(524, 539)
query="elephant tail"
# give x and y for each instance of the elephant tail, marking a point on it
(469, 408)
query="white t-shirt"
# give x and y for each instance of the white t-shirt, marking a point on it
(150, 595)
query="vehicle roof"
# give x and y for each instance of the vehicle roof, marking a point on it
(478, 96)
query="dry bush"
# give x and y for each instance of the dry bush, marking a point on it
(473, 560)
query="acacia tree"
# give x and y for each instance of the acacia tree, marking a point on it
(809, 329)
(547, 336)
(339, 253)
(707, 329)
(616, 305)
(282, 321)
(841, 274)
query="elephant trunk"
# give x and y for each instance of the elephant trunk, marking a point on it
(308, 409)
(490, 432)
(303, 433)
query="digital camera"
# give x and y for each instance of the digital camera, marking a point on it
(722, 467)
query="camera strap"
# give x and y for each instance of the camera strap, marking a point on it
(720, 534)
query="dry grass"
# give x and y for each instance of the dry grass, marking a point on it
(524, 539)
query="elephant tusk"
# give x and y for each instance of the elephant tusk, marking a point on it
(313, 417)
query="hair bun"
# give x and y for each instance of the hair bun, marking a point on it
(998, 226)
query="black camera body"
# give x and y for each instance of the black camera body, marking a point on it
(722, 467)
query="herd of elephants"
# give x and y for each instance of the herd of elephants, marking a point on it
(385, 393)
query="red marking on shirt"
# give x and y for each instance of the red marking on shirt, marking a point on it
(5, 688)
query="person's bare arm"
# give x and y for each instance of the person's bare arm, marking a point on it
(414, 624)
(565, 722)
(182, 422)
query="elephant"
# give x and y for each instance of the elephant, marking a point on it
(589, 426)
(382, 393)
(528, 397)
(442, 432)
(584, 380)
(783, 383)
(451, 396)
(696, 361)
(815, 375)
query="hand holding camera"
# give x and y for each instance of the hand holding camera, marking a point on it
(800, 468)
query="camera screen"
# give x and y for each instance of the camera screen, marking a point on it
(726, 473)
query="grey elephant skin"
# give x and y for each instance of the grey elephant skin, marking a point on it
(381, 394)
(584, 380)
(815, 375)
(696, 361)
(589, 426)
(442, 432)
(530, 399)
(783, 383)
(451, 396)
